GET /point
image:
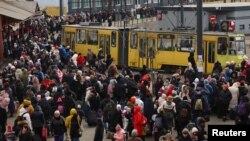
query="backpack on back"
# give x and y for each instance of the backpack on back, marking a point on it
(198, 104)
(242, 109)
(159, 122)
(183, 112)
(19, 123)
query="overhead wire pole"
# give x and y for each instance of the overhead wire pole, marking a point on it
(182, 13)
(61, 7)
(199, 36)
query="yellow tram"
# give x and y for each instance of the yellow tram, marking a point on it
(82, 38)
(155, 49)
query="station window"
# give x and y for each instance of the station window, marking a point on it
(222, 46)
(133, 40)
(165, 42)
(81, 36)
(185, 43)
(92, 37)
(113, 39)
(242, 27)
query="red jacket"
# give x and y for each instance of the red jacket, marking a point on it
(138, 120)
(80, 60)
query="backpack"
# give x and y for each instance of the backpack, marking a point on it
(198, 104)
(242, 109)
(108, 107)
(183, 112)
(159, 122)
(19, 122)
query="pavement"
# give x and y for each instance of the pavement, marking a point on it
(89, 132)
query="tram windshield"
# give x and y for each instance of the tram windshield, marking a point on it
(236, 46)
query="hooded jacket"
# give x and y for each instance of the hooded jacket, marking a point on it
(137, 120)
(37, 117)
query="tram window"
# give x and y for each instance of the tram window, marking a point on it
(142, 52)
(92, 37)
(211, 52)
(67, 37)
(232, 46)
(108, 44)
(222, 46)
(165, 42)
(133, 40)
(151, 48)
(113, 39)
(185, 43)
(81, 36)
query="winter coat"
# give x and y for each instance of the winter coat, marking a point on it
(119, 135)
(58, 125)
(235, 93)
(99, 131)
(138, 120)
(26, 116)
(3, 119)
(26, 137)
(37, 117)
(225, 97)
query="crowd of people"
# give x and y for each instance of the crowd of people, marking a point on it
(103, 16)
(50, 90)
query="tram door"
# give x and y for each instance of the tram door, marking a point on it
(146, 52)
(70, 39)
(208, 55)
(105, 44)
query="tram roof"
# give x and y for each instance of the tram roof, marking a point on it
(188, 32)
(212, 6)
(98, 27)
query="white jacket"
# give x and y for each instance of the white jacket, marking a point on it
(27, 116)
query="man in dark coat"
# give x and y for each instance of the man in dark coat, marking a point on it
(192, 61)
(3, 120)
(99, 130)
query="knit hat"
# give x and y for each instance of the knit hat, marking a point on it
(26, 103)
(194, 129)
(133, 99)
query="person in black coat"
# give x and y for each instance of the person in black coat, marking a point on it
(116, 118)
(225, 97)
(58, 126)
(68, 101)
(99, 130)
(192, 61)
(3, 120)
(37, 119)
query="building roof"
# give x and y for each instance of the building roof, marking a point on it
(18, 9)
(54, 10)
(212, 6)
